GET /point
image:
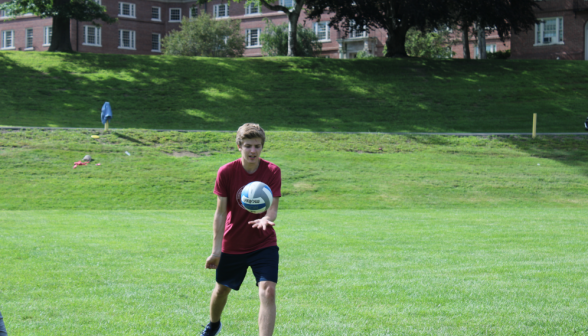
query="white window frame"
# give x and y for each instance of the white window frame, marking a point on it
(29, 34)
(190, 12)
(97, 36)
(249, 9)
(132, 36)
(539, 35)
(317, 26)
(132, 12)
(179, 19)
(217, 11)
(249, 34)
(98, 2)
(47, 34)
(158, 14)
(158, 42)
(288, 3)
(7, 46)
(3, 14)
(490, 48)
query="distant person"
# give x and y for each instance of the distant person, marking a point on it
(243, 239)
(2, 326)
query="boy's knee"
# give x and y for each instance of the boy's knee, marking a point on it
(221, 290)
(267, 292)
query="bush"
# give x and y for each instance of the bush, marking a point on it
(499, 55)
(274, 40)
(204, 36)
(432, 44)
(364, 54)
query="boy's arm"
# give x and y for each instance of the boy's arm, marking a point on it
(218, 230)
(269, 218)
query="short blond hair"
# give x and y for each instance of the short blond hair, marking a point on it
(250, 131)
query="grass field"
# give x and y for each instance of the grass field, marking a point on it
(377, 95)
(380, 272)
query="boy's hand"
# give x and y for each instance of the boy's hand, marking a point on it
(261, 223)
(212, 261)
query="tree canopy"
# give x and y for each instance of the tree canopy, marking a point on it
(398, 16)
(274, 40)
(62, 11)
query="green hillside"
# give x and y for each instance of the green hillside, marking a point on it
(377, 95)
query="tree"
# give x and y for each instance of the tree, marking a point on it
(398, 16)
(432, 44)
(291, 8)
(274, 40)
(204, 36)
(62, 11)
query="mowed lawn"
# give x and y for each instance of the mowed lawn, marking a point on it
(494, 271)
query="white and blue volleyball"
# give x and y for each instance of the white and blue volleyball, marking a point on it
(256, 197)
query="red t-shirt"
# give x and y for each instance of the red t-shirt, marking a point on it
(240, 237)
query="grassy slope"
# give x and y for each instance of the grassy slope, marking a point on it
(380, 95)
(320, 171)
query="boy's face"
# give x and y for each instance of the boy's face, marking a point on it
(251, 150)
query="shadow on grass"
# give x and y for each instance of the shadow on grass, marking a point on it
(131, 139)
(379, 95)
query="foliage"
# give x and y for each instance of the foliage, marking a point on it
(499, 55)
(431, 44)
(274, 40)
(364, 54)
(204, 36)
(81, 10)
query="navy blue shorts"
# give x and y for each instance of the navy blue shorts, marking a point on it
(232, 268)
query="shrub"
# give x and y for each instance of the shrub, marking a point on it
(204, 36)
(274, 40)
(499, 55)
(364, 54)
(432, 44)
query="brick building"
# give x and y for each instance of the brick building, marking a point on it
(493, 43)
(561, 34)
(143, 23)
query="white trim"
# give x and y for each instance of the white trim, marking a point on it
(249, 37)
(4, 46)
(97, 34)
(131, 10)
(131, 39)
(32, 36)
(179, 19)
(47, 34)
(158, 42)
(190, 12)
(327, 31)
(251, 7)
(158, 19)
(216, 11)
(539, 37)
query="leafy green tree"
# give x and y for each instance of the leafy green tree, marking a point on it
(204, 36)
(274, 40)
(432, 44)
(292, 8)
(62, 11)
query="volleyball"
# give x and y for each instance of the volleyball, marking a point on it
(256, 197)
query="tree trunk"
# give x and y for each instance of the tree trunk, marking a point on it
(293, 33)
(466, 41)
(482, 42)
(60, 40)
(396, 42)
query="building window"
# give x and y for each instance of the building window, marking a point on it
(193, 12)
(175, 14)
(221, 11)
(490, 48)
(321, 29)
(156, 42)
(357, 31)
(126, 39)
(288, 3)
(92, 36)
(29, 38)
(98, 2)
(126, 9)
(253, 37)
(2, 13)
(549, 31)
(156, 13)
(8, 39)
(47, 33)
(252, 9)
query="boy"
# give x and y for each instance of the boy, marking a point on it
(242, 239)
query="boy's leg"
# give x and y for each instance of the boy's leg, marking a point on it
(218, 300)
(267, 308)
